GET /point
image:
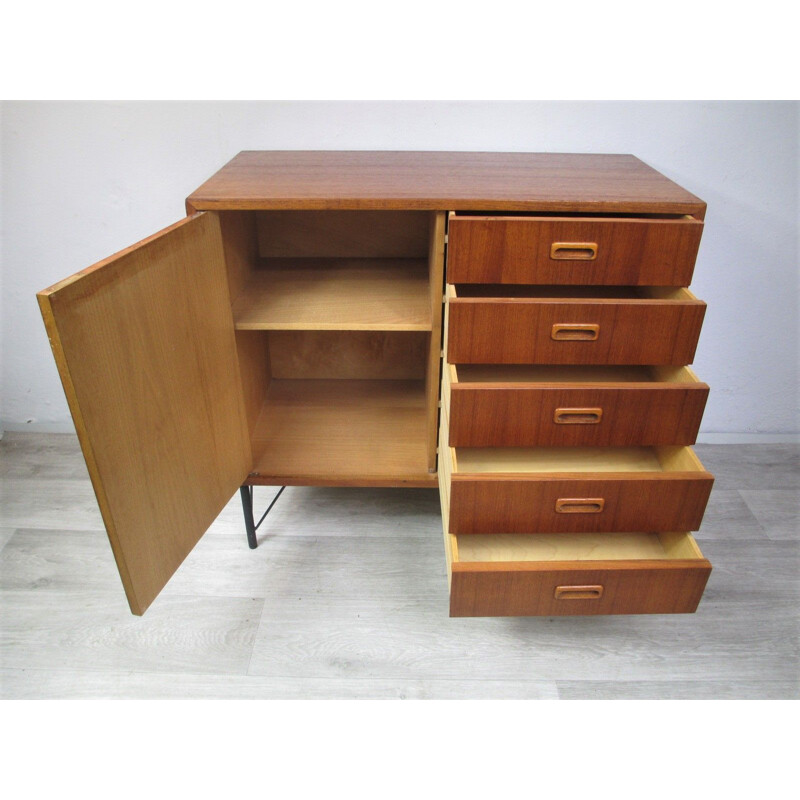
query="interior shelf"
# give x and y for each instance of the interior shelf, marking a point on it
(367, 294)
(353, 432)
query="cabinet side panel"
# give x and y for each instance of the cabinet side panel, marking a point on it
(432, 379)
(145, 347)
(240, 244)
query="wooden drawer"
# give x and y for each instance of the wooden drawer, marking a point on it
(572, 489)
(613, 573)
(550, 574)
(562, 325)
(556, 406)
(573, 250)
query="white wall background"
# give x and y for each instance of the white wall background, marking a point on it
(83, 180)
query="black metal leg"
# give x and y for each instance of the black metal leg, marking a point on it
(251, 526)
(249, 523)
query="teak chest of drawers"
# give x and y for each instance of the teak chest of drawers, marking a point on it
(514, 328)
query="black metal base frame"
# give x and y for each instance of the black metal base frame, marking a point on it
(250, 525)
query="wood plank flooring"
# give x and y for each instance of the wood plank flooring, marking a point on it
(346, 597)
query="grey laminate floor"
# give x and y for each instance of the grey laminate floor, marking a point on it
(346, 597)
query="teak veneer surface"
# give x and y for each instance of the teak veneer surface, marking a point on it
(145, 349)
(517, 249)
(519, 489)
(657, 586)
(635, 573)
(446, 181)
(518, 329)
(493, 504)
(508, 406)
(232, 341)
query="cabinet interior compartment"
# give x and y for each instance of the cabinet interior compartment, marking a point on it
(335, 270)
(338, 324)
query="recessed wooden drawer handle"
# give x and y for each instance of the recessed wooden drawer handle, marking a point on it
(577, 416)
(578, 592)
(573, 251)
(580, 505)
(574, 332)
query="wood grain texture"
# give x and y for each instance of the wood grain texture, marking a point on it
(252, 350)
(546, 460)
(144, 345)
(679, 690)
(528, 589)
(519, 413)
(777, 511)
(342, 234)
(645, 252)
(436, 248)
(443, 181)
(527, 504)
(349, 639)
(241, 248)
(92, 631)
(65, 628)
(241, 256)
(54, 684)
(516, 490)
(445, 473)
(349, 355)
(336, 294)
(512, 547)
(338, 432)
(518, 330)
(753, 466)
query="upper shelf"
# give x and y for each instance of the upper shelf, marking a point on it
(356, 294)
(439, 181)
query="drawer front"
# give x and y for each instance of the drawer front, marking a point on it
(571, 588)
(519, 416)
(535, 331)
(550, 503)
(563, 250)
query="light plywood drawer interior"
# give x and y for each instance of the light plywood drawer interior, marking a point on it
(577, 547)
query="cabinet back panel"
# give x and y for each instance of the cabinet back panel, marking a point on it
(352, 355)
(342, 234)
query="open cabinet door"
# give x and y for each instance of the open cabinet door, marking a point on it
(144, 344)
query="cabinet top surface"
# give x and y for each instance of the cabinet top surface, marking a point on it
(432, 180)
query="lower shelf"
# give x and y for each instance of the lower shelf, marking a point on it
(342, 433)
